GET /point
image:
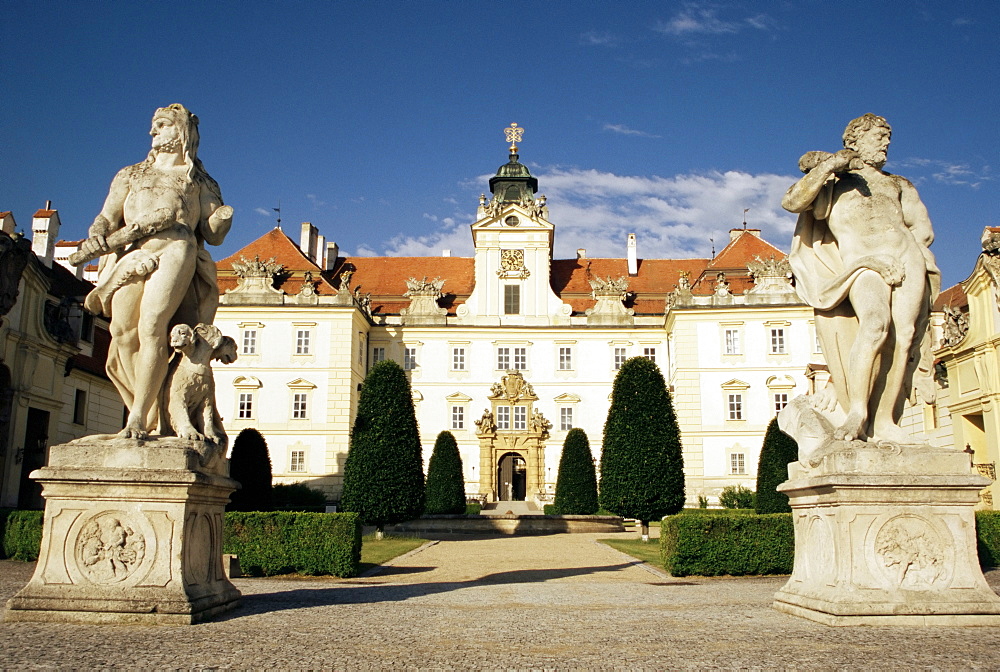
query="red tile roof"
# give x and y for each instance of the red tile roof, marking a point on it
(385, 277)
(954, 296)
(276, 244)
(44, 213)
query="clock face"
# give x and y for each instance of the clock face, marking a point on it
(512, 220)
(511, 260)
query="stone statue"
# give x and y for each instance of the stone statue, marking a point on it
(154, 272)
(860, 255)
(486, 424)
(188, 409)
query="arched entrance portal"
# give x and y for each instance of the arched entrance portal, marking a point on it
(512, 477)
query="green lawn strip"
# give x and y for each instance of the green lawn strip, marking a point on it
(647, 551)
(375, 552)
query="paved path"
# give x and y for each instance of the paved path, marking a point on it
(554, 602)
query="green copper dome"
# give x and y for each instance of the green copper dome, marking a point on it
(513, 182)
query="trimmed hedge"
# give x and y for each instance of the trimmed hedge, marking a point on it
(445, 480)
(297, 497)
(642, 462)
(576, 483)
(732, 545)
(285, 542)
(988, 536)
(776, 452)
(20, 534)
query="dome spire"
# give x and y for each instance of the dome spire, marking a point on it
(513, 182)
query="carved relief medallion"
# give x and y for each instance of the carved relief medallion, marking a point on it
(109, 548)
(910, 552)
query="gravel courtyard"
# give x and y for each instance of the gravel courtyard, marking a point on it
(551, 602)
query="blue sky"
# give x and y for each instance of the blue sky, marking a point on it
(381, 122)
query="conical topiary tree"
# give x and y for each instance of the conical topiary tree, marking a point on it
(250, 464)
(776, 452)
(642, 466)
(445, 480)
(576, 484)
(383, 475)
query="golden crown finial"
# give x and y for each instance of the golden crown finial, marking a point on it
(514, 135)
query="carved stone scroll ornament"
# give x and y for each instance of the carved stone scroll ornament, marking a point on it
(512, 387)
(771, 276)
(956, 325)
(610, 294)
(423, 295)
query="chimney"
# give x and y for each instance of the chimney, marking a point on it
(44, 233)
(320, 251)
(307, 242)
(581, 253)
(7, 223)
(445, 253)
(332, 252)
(736, 233)
(633, 257)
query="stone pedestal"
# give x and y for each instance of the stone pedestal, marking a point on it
(133, 534)
(886, 536)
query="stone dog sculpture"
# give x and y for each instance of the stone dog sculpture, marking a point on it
(188, 409)
(154, 271)
(860, 258)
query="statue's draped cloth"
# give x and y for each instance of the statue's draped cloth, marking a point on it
(821, 281)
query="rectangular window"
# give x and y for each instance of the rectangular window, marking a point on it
(458, 417)
(512, 299)
(503, 359)
(458, 359)
(520, 359)
(565, 359)
(378, 354)
(649, 353)
(565, 419)
(409, 359)
(735, 406)
(80, 408)
(520, 417)
(732, 341)
(297, 461)
(503, 417)
(244, 409)
(737, 463)
(780, 401)
(817, 346)
(249, 341)
(302, 342)
(299, 406)
(777, 341)
(621, 354)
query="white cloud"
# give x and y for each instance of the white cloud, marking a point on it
(316, 202)
(957, 174)
(625, 130)
(264, 212)
(596, 39)
(673, 217)
(703, 19)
